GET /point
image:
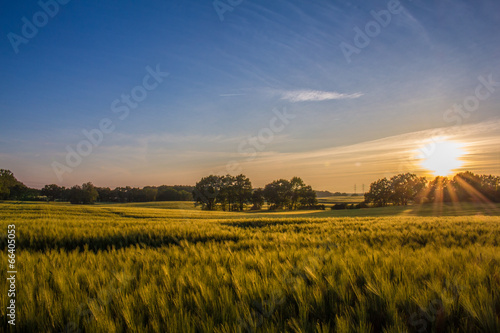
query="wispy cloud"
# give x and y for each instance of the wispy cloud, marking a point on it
(156, 159)
(231, 95)
(364, 162)
(478, 138)
(316, 95)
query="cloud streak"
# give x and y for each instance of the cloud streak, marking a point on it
(364, 162)
(231, 95)
(156, 159)
(316, 95)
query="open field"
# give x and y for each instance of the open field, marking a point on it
(167, 267)
(341, 199)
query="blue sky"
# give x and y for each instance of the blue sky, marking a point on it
(226, 78)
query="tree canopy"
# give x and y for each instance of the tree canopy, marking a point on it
(405, 188)
(230, 192)
(234, 192)
(85, 194)
(13, 189)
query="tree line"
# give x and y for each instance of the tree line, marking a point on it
(87, 193)
(233, 193)
(13, 189)
(405, 188)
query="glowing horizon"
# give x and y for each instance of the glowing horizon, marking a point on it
(335, 169)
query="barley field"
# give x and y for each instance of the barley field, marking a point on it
(168, 267)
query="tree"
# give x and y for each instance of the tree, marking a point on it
(76, 195)
(135, 194)
(226, 196)
(242, 190)
(119, 194)
(149, 193)
(23, 192)
(206, 191)
(308, 197)
(468, 186)
(405, 188)
(491, 187)
(185, 196)
(380, 192)
(85, 194)
(296, 185)
(291, 194)
(53, 192)
(230, 192)
(440, 190)
(4, 191)
(90, 193)
(278, 194)
(105, 194)
(257, 199)
(7, 182)
(399, 190)
(174, 193)
(167, 194)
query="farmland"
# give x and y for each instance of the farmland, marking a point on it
(169, 267)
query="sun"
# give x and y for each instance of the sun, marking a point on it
(441, 157)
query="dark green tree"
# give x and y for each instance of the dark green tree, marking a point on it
(278, 194)
(257, 199)
(85, 194)
(296, 185)
(23, 192)
(308, 197)
(440, 189)
(76, 195)
(7, 182)
(185, 195)
(380, 192)
(405, 187)
(167, 194)
(491, 187)
(242, 190)
(206, 191)
(53, 192)
(226, 196)
(469, 187)
(105, 194)
(90, 193)
(149, 193)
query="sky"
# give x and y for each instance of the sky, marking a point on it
(339, 93)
